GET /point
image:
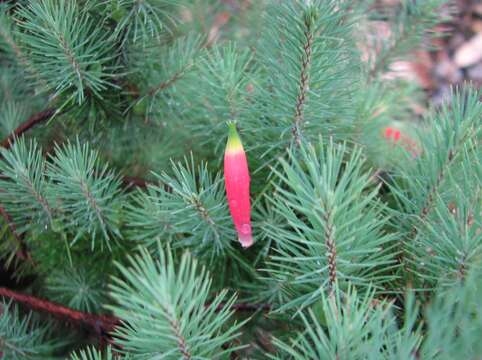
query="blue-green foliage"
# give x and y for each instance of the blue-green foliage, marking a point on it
(345, 222)
(71, 54)
(23, 337)
(165, 310)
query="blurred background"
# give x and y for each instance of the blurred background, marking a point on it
(453, 58)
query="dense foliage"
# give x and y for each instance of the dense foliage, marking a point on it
(366, 214)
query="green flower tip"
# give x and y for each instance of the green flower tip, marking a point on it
(234, 142)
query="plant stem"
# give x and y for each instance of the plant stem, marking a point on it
(101, 324)
(30, 123)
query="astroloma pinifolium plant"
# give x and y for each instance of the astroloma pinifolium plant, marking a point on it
(204, 179)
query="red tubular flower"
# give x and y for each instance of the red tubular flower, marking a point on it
(392, 134)
(236, 178)
(395, 136)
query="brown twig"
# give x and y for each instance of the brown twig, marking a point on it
(331, 250)
(303, 82)
(164, 85)
(22, 252)
(133, 181)
(245, 307)
(100, 324)
(30, 123)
